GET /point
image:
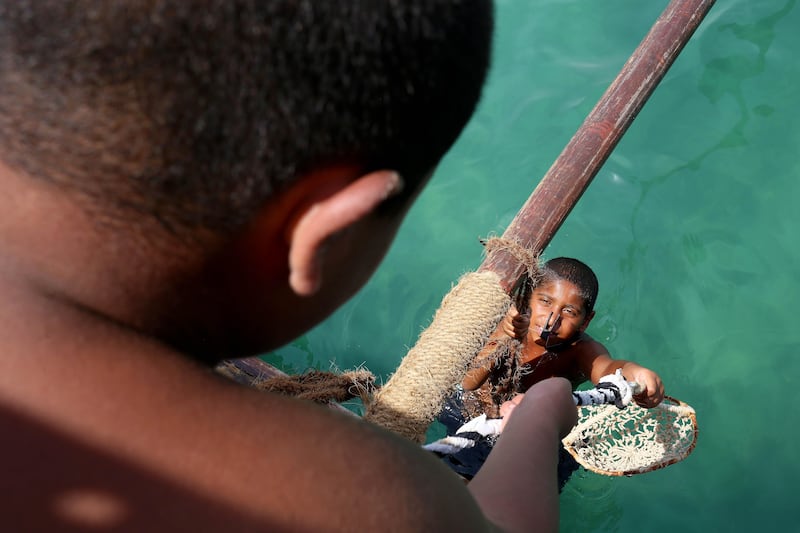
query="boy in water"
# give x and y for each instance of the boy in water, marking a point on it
(185, 181)
(552, 342)
(560, 309)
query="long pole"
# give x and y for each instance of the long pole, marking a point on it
(553, 199)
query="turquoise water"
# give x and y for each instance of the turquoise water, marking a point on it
(691, 227)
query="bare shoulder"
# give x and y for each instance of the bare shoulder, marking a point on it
(110, 430)
(588, 345)
(588, 352)
(179, 448)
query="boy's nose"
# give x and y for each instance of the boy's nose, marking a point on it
(556, 323)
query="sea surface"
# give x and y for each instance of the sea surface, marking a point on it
(692, 225)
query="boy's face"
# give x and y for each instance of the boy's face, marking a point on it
(561, 298)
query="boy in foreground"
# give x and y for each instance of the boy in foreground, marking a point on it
(191, 180)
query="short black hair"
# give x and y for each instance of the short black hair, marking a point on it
(195, 112)
(577, 273)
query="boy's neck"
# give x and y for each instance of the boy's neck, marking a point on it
(54, 254)
(557, 347)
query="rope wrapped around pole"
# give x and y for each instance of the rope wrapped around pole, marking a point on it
(411, 399)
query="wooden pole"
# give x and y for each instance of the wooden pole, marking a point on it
(569, 176)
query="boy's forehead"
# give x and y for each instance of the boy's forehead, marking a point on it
(563, 288)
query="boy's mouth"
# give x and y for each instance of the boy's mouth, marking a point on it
(544, 334)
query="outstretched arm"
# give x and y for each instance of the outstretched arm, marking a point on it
(517, 487)
(595, 362)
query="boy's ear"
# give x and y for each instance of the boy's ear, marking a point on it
(586, 322)
(320, 218)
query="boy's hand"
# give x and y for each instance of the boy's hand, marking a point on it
(652, 388)
(507, 407)
(516, 325)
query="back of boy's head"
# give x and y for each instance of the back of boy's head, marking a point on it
(193, 113)
(577, 273)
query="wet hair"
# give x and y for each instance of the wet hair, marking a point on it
(577, 273)
(195, 112)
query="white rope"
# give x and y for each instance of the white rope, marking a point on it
(611, 389)
(480, 426)
(450, 445)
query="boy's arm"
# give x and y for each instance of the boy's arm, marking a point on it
(513, 325)
(482, 364)
(517, 485)
(595, 362)
(387, 483)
